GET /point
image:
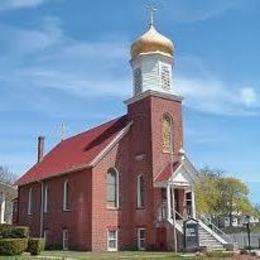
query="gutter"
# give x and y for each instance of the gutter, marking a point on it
(41, 209)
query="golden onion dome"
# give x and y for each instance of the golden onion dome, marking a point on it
(152, 41)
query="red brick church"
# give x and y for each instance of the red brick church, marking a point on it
(126, 184)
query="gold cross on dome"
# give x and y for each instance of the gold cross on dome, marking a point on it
(151, 10)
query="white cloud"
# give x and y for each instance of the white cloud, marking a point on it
(14, 4)
(188, 11)
(210, 95)
(19, 42)
(48, 59)
(45, 60)
(248, 96)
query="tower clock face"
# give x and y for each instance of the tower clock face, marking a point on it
(138, 81)
(165, 77)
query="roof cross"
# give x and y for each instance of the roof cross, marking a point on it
(152, 11)
(62, 129)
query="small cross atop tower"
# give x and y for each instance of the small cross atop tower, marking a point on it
(151, 10)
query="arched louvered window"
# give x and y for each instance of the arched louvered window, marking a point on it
(112, 188)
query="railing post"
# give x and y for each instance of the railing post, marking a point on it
(2, 217)
(193, 204)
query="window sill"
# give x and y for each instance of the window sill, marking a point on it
(167, 152)
(140, 208)
(113, 208)
(112, 249)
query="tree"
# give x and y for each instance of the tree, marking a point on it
(233, 198)
(6, 176)
(218, 196)
(207, 195)
(206, 191)
(257, 211)
(212, 173)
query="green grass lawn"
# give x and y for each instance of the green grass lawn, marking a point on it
(70, 255)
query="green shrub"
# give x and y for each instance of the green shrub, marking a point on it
(8, 231)
(13, 246)
(36, 246)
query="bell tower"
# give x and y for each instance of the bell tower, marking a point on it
(153, 101)
(152, 61)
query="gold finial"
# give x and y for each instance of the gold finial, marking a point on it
(62, 128)
(151, 10)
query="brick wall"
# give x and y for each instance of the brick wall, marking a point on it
(138, 153)
(146, 138)
(77, 220)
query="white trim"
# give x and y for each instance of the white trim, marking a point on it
(65, 195)
(154, 93)
(46, 194)
(139, 239)
(2, 215)
(173, 173)
(179, 180)
(168, 196)
(152, 53)
(138, 192)
(65, 239)
(163, 184)
(193, 202)
(45, 235)
(116, 240)
(29, 207)
(111, 145)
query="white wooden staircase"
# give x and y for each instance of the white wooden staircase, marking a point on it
(210, 236)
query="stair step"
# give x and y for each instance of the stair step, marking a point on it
(210, 241)
(211, 244)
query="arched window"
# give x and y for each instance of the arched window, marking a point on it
(167, 134)
(112, 188)
(46, 191)
(66, 195)
(30, 201)
(140, 187)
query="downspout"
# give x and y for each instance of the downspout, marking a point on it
(41, 209)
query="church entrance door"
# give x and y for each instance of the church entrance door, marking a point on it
(161, 238)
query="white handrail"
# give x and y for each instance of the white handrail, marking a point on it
(216, 229)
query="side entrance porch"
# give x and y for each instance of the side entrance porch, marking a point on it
(176, 205)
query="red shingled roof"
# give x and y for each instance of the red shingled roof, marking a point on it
(166, 173)
(75, 152)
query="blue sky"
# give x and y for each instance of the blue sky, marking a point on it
(67, 61)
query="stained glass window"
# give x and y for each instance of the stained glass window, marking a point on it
(167, 134)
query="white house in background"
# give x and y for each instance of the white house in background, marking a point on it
(238, 220)
(7, 194)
